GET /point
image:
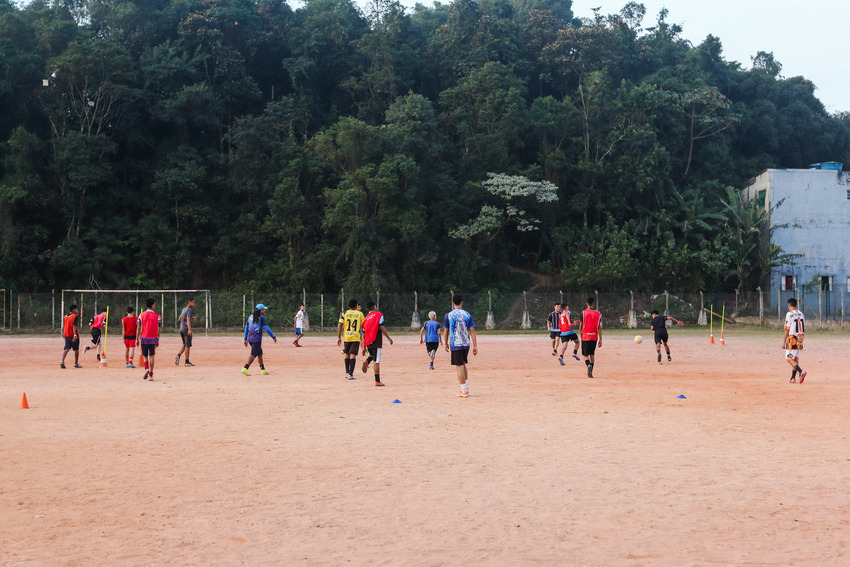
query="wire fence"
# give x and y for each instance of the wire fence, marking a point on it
(42, 312)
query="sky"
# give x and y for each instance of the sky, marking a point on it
(809, 38)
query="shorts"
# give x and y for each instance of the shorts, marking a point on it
(256, 349)
(460, 357)
(571, 336)
(793, 350)
(375, 352)
(129, 342)
(299, 331)
(431, 347)
(351, 348)
(148, 350)
(661, 337)
(72, 344)
(588, 348)
(95, 335)
(554, 334)
(187, 339)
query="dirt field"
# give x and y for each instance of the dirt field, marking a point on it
(539, 466)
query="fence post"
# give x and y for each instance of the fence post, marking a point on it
(415, 323)
(209, 303)
(702, 320)
(304, 303)
(596, 291)
(820, 302)
(842, 307)
(761, 306)
(736, 302)
(176, 315)
(342, 298)
(19, 311)
(52, 309)
(322, 308)
(243, 309)
(779, 305)
(377, 300)
(491, 318)
(632, 314)
(526, 316)
(666, 303)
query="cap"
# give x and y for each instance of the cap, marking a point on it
(261, 306)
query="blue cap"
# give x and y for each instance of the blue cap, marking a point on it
(261, 306)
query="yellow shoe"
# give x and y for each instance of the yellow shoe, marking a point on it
(245, 372)
(265, 372)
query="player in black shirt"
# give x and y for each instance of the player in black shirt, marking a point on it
(659, 325)
(552, 325)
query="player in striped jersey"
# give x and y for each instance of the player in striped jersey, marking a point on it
(792, 342)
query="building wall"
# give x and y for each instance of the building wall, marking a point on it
(809, 211)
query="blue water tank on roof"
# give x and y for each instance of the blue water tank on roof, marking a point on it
(830, 165)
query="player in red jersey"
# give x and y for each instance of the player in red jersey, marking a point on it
(97, 323)
(591, 334)
(71, 335)
(373, 333)
(565, 327)
(129, 324)
(147, 335)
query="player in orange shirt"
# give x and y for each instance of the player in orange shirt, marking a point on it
(130, 323)
(71, 334)
(591, 334)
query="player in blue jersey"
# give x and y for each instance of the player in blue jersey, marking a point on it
(459, 334)
(429, 335)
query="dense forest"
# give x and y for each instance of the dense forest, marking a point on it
(236, 144)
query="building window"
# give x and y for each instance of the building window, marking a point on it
(763, 192)
(826, 283)
(848, 284)
(789, 283)
(848, 194)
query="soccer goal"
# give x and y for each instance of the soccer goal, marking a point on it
(168, 301)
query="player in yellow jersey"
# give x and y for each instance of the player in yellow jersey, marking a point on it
(348, 337)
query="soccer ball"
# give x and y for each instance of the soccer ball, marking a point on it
(638, 339)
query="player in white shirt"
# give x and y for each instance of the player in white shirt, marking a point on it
(792, 342)
(299, 326)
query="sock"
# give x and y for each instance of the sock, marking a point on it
(793, 374)
(560, 356)
(246, 367)
(659, 352)
(464, 387)
(575, 351)
(798, 369)
(262, 367)
(131, 360)
(377, 377)
(587, 362)
(345, 360)
(370, 359)
(146, 365)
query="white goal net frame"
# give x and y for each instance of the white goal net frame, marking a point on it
(158, 294)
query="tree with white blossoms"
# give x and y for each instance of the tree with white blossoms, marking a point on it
(517, 194)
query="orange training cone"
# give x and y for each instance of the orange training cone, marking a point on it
(711, 339)
(722, 340)
(24, 404)
(103, 362)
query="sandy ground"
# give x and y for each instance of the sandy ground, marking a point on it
(539, 466)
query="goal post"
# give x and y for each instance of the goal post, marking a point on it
(169, 302)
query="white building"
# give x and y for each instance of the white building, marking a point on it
(809, 212)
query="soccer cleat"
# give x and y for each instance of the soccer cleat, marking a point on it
(245, 372)
(659, 358)
(177, 360)
(669, 359)
(264, 372)
(78, 365)
(793, 380)
(378, 383)
(576, 357)
(98, 358)
(188, 364)
(365, 366)
(589, 372)
(150, 378)
(554, 353)
(463, 394)
(561, 360)
(350, 377)
(803, 377)
(131, 365)
(432, 366)
(85, 350)
(62, 365)
(145, 377)
(295, 343)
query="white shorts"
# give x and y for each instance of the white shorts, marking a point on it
(792, 354)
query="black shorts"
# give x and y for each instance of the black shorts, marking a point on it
(72, 344)
(588, 348)
(460, 357)
(95, 335)
(351, 348)
(554, 334)
(661, 337)
(569, 337)
(187, 338)
(375, 352)
(148, 350)
(256, 349)
(430, 347)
